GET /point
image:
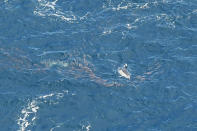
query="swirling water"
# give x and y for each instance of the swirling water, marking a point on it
(59, 62)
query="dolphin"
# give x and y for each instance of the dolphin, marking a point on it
(124, 72)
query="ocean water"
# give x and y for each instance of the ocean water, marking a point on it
(60, 62)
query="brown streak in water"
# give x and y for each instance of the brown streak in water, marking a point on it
(20, 62)
(93, 76)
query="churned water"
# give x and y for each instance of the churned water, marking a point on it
(98, 65)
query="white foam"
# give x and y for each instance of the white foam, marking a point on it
(46, 8)
(130, 5)
(144, 6)
(57, 126)
(45, 96)
(50, 63)
(162, 20)
(130, 26)
(88, 128)
(23, 122)
(28, 114)
(119, 7)
(107, 32)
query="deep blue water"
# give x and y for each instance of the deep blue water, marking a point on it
(59, 62)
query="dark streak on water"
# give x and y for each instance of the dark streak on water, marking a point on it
(59, 62)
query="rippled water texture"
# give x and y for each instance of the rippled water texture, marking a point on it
(98, 65)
